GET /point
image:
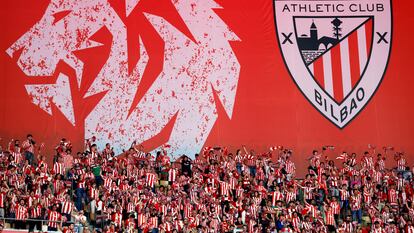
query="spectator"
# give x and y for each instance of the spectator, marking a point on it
(29, 148)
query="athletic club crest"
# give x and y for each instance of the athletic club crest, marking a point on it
(336, 51)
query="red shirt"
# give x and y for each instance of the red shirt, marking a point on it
(21, 212)
(36, 211)
(28, 146)
(53, 216)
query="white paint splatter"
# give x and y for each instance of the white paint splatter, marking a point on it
(59, 94)
(130, 6)
(192, 71)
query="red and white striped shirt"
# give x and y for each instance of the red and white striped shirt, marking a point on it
(58, 168)
(233, 183)
(250, 160)
(329, 218)
(94, 155)
(377, 230)
(21, 212)
(172, 175)
(178, 224)
(260, 174)
(239, 192)
(290, 196)
(164, 209)
(276, 196)
(378, 177)
(392, 196)
(81, 184)
(349, 227)
(311, 209)
(368, 162)
(141, 219)
(352, 162)
(117, 218)
(187, 210)
(344, 194)
(93, 193)
(28, 146)
(124, 187)
(401, 164)
(107, 182)
(381, 164)
(57, 186)
(356, 202)
(167, 227)
(308, 192)
(153, 222)
(253, 210)
(336, 208)
(290, 167)
(224, 188)
(130, 207)
(67, 207)
(400, 184)
(45, 201)
(36, 211)
(150, 179)
(53, 217)
(239, 158)
(307, 226)
(17, 157)
(367, 197)
(296, 223)
(334, 181)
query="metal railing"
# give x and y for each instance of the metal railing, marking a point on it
(43, 223)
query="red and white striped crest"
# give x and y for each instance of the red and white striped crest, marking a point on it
(336, 51)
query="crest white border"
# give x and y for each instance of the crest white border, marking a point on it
(371, 77)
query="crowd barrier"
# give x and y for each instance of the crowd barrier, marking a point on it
(8, 226)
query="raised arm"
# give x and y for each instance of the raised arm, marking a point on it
(245, 150)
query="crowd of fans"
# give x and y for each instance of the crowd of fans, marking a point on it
(217, 191)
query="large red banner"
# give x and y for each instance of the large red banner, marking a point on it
(200, 72)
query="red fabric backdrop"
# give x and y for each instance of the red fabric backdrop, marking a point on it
(269, 109)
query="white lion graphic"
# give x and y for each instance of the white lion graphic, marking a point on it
(192, 72)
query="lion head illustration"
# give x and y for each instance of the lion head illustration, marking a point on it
(194, 70)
